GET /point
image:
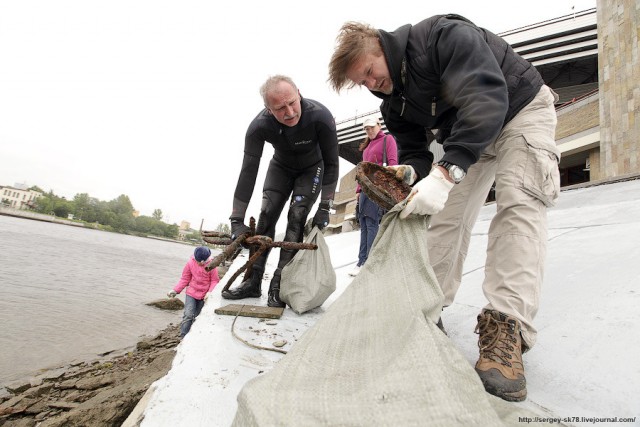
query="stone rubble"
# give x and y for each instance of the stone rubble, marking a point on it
(98, 393)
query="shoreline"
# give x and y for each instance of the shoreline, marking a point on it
(34, 216)
(102, 391)
(20, 213)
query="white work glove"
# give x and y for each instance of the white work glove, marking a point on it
(172, 294)
(404, 173)
(429, 195)
(206, 296)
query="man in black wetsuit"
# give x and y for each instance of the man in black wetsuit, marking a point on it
(304, 164)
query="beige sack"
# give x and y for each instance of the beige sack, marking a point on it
(308, 279)
(376, 357)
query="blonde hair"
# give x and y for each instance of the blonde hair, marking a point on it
(354, 40)
(272, 82)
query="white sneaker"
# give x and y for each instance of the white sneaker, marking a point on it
(355, 271)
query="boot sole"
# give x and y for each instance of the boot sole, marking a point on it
(496, 390)
(516, 396)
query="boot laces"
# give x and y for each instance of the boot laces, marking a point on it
(497, 339)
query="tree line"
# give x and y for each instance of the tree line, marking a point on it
(115, 215)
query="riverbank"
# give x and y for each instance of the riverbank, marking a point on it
(101, 392)
(24, 214)
(21, 213)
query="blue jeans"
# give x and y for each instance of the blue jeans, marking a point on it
(192, 308)
(368, 231)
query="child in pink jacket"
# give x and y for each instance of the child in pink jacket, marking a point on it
(199, 282)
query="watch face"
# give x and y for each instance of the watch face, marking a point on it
(457, 173)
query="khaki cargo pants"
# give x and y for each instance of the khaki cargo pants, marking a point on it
(523, 161)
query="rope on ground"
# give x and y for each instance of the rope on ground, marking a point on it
(259, 347)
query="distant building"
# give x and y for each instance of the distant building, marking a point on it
(18, 196)
(184, 229)
(590, 59)
(344, 205)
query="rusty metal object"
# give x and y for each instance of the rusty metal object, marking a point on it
(227, 253)
(214, 240)
(264, 240)
(381, 185)
(223, 239)
(257, 246)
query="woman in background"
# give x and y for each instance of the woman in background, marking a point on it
(378, 148)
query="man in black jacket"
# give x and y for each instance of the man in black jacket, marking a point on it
(495, 118)
(304, 164)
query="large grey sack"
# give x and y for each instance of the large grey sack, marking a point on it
(376, 357)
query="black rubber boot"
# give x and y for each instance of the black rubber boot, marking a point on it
(274, 290)
(249, 288)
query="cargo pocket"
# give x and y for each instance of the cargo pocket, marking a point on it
(541, 175)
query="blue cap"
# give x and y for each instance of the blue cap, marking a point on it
(202, 253)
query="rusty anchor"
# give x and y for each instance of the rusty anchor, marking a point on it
(257, 244)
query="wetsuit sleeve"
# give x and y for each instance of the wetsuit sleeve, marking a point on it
(245, 186)
(328, 140)
(472, 82)
(248, 173)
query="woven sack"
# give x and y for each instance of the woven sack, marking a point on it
(308, 279)
(376, 357)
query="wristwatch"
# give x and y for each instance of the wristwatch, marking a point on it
(456, 173)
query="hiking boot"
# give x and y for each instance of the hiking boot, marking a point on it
(274, 290)
(500, 364)
(250, 288)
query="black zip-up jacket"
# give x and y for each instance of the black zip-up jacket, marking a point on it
(296, 148)
(454, 77)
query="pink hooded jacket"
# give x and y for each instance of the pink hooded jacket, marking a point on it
(198, 280)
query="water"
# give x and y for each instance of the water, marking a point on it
(69, 293)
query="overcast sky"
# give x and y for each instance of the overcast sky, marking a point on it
(152, 98)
